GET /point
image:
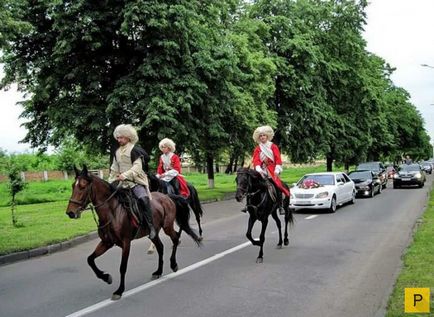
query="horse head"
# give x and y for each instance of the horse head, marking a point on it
(246, 180)
(80, 197)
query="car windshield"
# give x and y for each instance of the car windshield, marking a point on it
(360, 175)
(320, 179)
(426, 164)
(369, 166)
(409, 168)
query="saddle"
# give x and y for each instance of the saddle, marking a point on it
(128, 201)
(271, 188)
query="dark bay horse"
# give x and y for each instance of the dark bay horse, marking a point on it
(159, 185)
(115, 225)
(255, 188)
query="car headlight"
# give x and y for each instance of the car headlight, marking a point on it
(418, 175)
(291, 196)
(322, 195)
(396, 176)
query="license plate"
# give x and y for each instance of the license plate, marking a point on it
(306, 202)
(406, 179)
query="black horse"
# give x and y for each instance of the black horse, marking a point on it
(261, 202)
(156, 184)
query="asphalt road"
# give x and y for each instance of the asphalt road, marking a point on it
(341, 264)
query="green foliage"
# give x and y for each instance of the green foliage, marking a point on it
(71, 154)
(15, 185)
(204, 73)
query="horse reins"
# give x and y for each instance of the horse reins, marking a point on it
(249, 195)
(87, 201)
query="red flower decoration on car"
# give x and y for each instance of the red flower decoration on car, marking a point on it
(309, 183)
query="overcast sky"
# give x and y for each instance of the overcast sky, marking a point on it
(400, 31)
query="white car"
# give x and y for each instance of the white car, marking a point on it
(322, 191)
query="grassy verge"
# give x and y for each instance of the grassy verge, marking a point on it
(38, 192)
(41, 210)
(418, 269)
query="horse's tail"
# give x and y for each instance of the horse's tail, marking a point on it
(195, 202)
(183, 216)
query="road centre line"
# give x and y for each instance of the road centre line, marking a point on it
(311, 217)
(167, 277)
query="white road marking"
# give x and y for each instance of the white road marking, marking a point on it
(165, 278)
(311, 217)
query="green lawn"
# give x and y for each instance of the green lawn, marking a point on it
(41, 209)
(418, 268)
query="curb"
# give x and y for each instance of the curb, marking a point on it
(23, 255)
(61, 246)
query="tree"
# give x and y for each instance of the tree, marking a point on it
(15, 185)
(168, 68)
(304, 116)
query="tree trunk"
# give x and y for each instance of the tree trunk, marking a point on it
(210, 170)
(329, 163)
(229, 167)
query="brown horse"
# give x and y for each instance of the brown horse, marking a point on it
(116, 227)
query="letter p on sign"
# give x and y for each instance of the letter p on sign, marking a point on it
(417, 300)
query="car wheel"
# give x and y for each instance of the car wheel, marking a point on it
(421, 185)
(333, 205)
(353, 199)
(395, 186)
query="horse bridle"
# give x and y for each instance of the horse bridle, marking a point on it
(249, 185)
(83, 204)
(249, 195)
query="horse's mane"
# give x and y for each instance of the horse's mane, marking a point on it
(123, 195)
(254, 174)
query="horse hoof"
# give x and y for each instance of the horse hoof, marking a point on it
(279, 246)
(108, 278)
(286, 242)
(156, 276)
(175, 268)
(200, 238)
(116, 297)
(259, 260)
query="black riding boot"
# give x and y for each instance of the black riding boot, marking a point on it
(145, 206)
(279, 202)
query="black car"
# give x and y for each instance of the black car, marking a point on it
(409, 174)
(427, 167)
(367, 183)
(377, 168)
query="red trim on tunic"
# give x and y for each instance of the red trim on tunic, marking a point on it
(270, 165)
